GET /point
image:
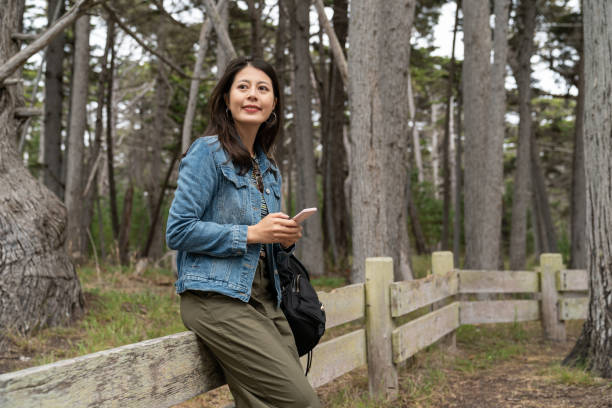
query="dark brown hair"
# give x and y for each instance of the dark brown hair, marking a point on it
(221, 121)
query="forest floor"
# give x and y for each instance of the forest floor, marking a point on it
(503, 365)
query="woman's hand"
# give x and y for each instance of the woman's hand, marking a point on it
(275, 228)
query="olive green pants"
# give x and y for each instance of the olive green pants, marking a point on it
(253, 344)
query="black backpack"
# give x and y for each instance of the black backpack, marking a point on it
(300, 303)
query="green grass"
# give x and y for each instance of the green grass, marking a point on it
(559, 374)
(328, 282)
(120, 309)
(488, 345)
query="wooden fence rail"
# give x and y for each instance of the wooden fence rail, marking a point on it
(166, 371)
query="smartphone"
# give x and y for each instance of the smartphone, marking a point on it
(305, 213)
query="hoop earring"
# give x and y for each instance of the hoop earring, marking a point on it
(228, 114)
(270, 122)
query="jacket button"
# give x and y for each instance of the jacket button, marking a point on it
(267, 191)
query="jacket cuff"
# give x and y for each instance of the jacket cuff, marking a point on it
(239, 239)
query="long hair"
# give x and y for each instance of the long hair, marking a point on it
(221, 121)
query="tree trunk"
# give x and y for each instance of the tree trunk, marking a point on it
(483, 150)
(414, 132)
(458, 183)
(547, 228)
(594, 346)
(578, 258)
(379, 55)
(223, 54)
(337, 217)
(447, 144)
(435, 144)
(280, 63)
(124, 232)
(51, 140)
(195, 81)
(76, 239)
(109, 138)
(154, 157)
(38, 284)
(523, 48)
(310, 246)
(255, 17)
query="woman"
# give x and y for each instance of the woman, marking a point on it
(226, 225)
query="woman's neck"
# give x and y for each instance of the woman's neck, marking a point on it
(247, 134)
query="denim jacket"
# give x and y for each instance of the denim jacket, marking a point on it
(207, 224)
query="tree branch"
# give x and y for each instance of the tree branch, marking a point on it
(44, 39)
(132, 34)
(333, 40)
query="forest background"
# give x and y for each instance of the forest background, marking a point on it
(148, 100)
(403, 150)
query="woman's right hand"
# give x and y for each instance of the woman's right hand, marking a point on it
(274, 228)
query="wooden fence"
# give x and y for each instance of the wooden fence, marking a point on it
(168, 370)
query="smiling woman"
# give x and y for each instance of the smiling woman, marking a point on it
(225, 224)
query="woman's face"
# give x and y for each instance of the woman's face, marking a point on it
(251, 97)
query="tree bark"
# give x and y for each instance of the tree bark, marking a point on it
(414, 133)
(76, 240)
(523, 48)
(222, 34)
(578, 258)
(38, 284)
(448, 141)
(310, 246)
(224, 55)
(458, 183)
(337, 218)
(594, 346)
(379, 57)
(195, 81)
(483, 150)
(51, 142)
(109, 138)
(435, 144)
(255, 17)
(547, 227)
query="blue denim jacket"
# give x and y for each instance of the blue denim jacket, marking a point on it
(207, 224)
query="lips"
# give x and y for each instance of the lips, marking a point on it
(251, 108)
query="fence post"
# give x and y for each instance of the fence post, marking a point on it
(443, 262)
(382, 373)
(554, 328)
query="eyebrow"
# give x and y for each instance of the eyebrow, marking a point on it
(249, 82)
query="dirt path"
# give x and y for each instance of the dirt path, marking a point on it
(493, 366)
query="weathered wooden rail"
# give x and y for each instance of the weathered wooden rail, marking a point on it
(166, 371)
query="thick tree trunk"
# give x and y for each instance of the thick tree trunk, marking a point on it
(38, 284)
(523, 48)
(337, 217)
(594, 346)
(76, 239)
(379, 55)
(483, 149)
(310, 247)
(578, 258)
(51, 142)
